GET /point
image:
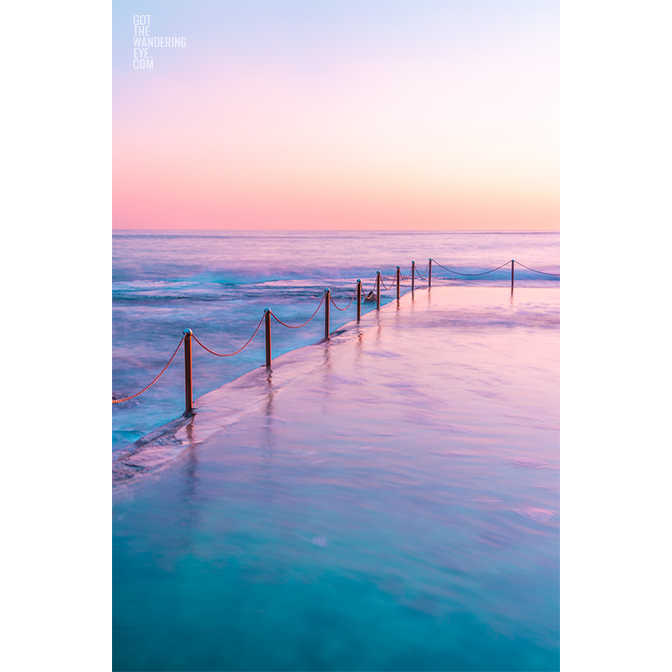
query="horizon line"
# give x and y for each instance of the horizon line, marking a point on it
(355, 230)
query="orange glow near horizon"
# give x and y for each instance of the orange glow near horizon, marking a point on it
(427, 138)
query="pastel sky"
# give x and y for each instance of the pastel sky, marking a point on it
(322, 114)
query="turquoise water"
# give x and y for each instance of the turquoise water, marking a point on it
(395, 507)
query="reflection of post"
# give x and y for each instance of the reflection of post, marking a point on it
(512, 275)
(187, 511)
(430, 274)
(398, 281)
(378, 291)
(327, 381)
(188, 393)
(412, 277)
(327, 299)
(267, 318)
(189, 429)
(359, 300)
(268, 444)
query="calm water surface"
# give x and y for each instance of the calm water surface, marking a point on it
(390, 502)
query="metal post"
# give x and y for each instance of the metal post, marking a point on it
(430, 274)
(327, 299)
(267, 317)
(512, 275)
(412, 277)
(359, 300)
(188, 390)
(398, 281)
(378, 291)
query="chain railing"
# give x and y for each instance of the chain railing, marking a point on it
(395, 282)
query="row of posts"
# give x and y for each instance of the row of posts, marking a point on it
(188, 389)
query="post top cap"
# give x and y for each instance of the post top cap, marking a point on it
(267, 310)
(358, 280)
(187, 331)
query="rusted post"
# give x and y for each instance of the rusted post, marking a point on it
(398, 281)
(378, 291)
(267, 318)
(511, 275)
(327, 301)
(359, 300)
(430, 274)
(188, 390)
(412, 277)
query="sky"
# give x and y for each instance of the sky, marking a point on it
(362, 114)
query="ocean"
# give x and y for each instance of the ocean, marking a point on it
(218, 283)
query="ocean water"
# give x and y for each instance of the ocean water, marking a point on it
(384, 500)
(218, 283)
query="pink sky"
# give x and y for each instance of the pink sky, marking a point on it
(346, 130)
